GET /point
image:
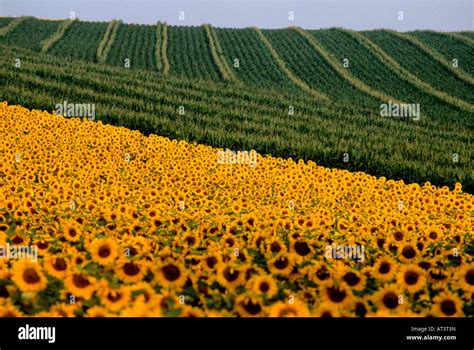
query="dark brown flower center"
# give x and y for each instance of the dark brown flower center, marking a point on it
(80, 281)
(114, 297)
(281, 263)
(264, 287)
(360, 310)
(469, 277)
(252, 308)
(211, 261)
(390, 300)
(30, 276)
(448, 307)
(411, 278)
(171, 272)
(351, 279)
(59, 264)
(398, 236)
(322, 274)
(130, 269)
(231, 274)
(104, 251)
(336, 295)
(72, 232)
(408, 252)
(302, 248)
(275, 247)
(384, 267)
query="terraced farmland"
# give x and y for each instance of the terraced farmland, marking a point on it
(290, 96)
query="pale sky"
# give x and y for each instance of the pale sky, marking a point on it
(441, 15)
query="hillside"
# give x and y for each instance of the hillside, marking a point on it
(237, 88)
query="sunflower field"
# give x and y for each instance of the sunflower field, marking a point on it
(132, 225)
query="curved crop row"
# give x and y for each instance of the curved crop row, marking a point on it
(402, 72)
(440, 75)
(164, 51)
(216, 54)
(134, 47)
(12, 25)
(358, 84)
(48, 43)
(301, 84)
(452, 49)
(80, 41)
(30, 33)
(436, 56)
(107, 41)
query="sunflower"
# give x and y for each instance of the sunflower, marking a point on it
(319, 272)
(141, 291)
(327, 310)
(408, 252)
(361, 309)
(275, 246)
(384, 269)
(9, 310)
(170, 274)
(335, 294)
(301, 249)
(433, 234)
(248, 306)
(56, 265)
(104, 250)
(389, 299)
(230, 276)
(398, 235)
(212, 260)
(353, 279)
(80, 285)
(71, 230)
(265, 285)
(189, 311)
(131, 271)
(96, 311)
(114, 299)
(464, 278)
(28, 277)
(447, 305)
(294, 309)
(411, 278)
(63, 310)
(438, 276)
(167, 303)
(282, 264)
